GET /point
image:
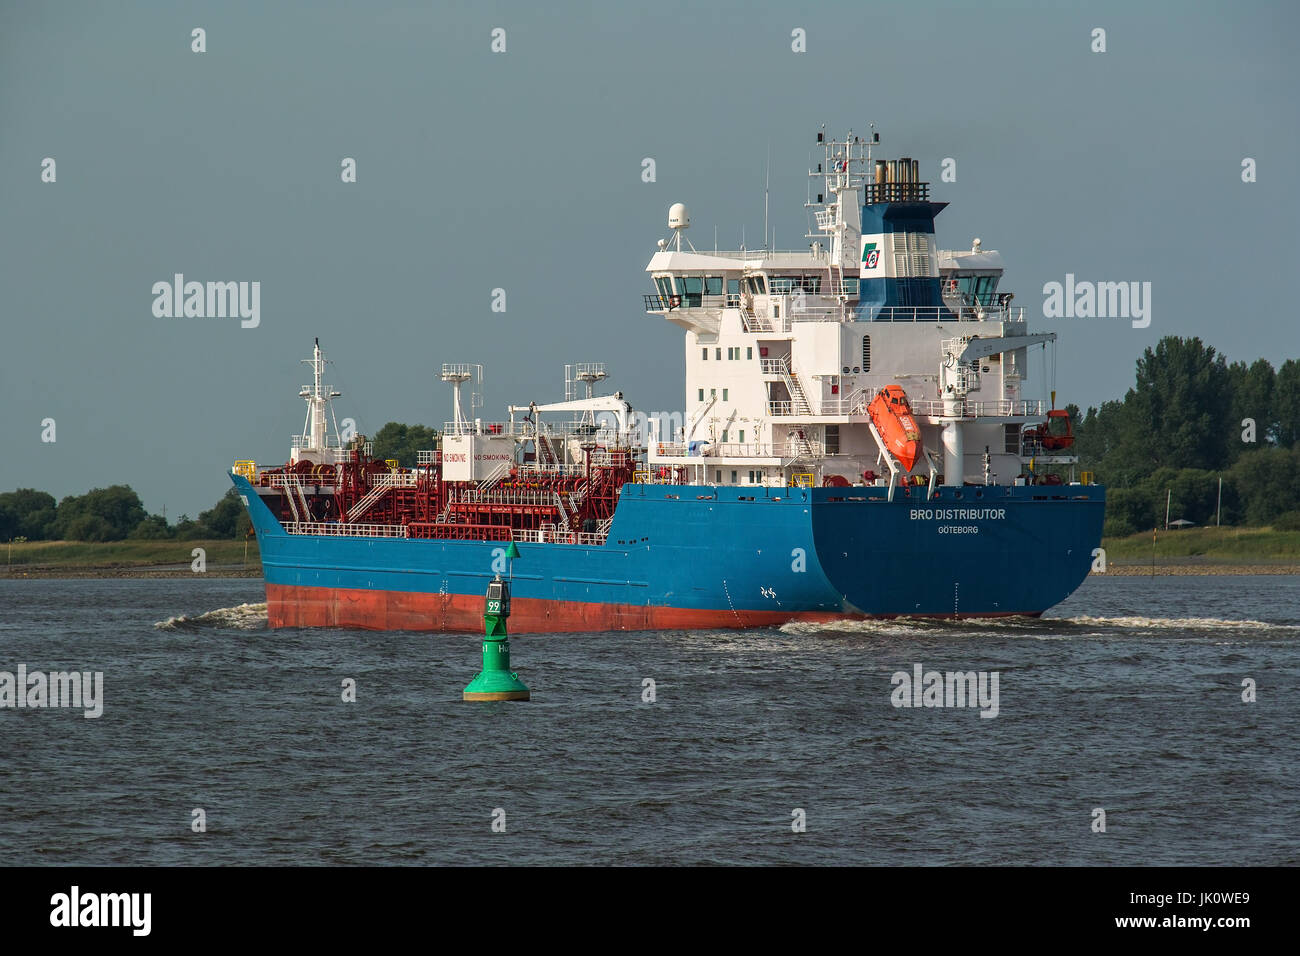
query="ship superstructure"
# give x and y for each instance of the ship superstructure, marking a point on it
(785, 351)
(856, 405)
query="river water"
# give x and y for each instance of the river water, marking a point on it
(1126, 699)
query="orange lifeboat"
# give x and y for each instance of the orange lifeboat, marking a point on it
(892, 416)
(1055, 434)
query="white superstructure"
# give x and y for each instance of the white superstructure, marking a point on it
(785, 350)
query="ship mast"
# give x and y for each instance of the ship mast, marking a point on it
(318, 396)
(838, 210)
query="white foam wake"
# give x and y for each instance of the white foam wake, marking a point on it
(241, 617)
(903, 626)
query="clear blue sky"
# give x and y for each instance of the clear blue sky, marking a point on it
(522, 171)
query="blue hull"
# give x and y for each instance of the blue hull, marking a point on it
(704, 556)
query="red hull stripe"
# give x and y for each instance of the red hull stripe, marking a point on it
(293, 606)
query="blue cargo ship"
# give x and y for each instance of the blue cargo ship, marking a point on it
(856, 441)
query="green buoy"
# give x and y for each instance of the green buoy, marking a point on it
(496, 681)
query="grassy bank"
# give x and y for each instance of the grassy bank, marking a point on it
(1209, 545)
(79, 555)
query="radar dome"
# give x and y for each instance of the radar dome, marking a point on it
(678, 217)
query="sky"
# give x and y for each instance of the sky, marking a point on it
(522, 170)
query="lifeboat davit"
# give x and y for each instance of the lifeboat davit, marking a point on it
(892, 416)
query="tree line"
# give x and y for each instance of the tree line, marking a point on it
(111, 514)
(117, 514)
(1191, 419)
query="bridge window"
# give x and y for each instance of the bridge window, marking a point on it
(866, 353)
(713, 285)
(693, 286)
(733, 286)
(664, 285)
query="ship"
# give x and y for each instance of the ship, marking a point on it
(857, 440)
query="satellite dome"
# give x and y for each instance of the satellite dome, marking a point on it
(678, 217)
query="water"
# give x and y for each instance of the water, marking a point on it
(1127, 699)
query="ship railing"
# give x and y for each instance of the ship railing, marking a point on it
(801, 448)
(559, 536)
(291, 479)
(344, 529)
(855, 404)
(506, 496)
(687, 300)
(457, 531)
(395, 479)
(741, 450)
(780, 409)
(773, 366)
(895, 192)
(535, 471)
(488, 429)
(818, 314)
(987, 409)
(610, 459)
(936, 313)
(299, 442)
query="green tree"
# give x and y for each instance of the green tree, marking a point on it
(1267, 482)
(1183, 399)
(1286, 403)
(1252, 397)
(401, 442)
(1111, 442)
(154, 527)
(117, 507)
(34, 510)
(8, 521)
(227, 518)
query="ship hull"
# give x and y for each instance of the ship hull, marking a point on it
(703, 557)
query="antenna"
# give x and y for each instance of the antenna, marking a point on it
(767, 181)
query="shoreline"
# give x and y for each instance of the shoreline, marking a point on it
(1193, 568)
(91, 571)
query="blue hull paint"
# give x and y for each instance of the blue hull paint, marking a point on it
(769, 550)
